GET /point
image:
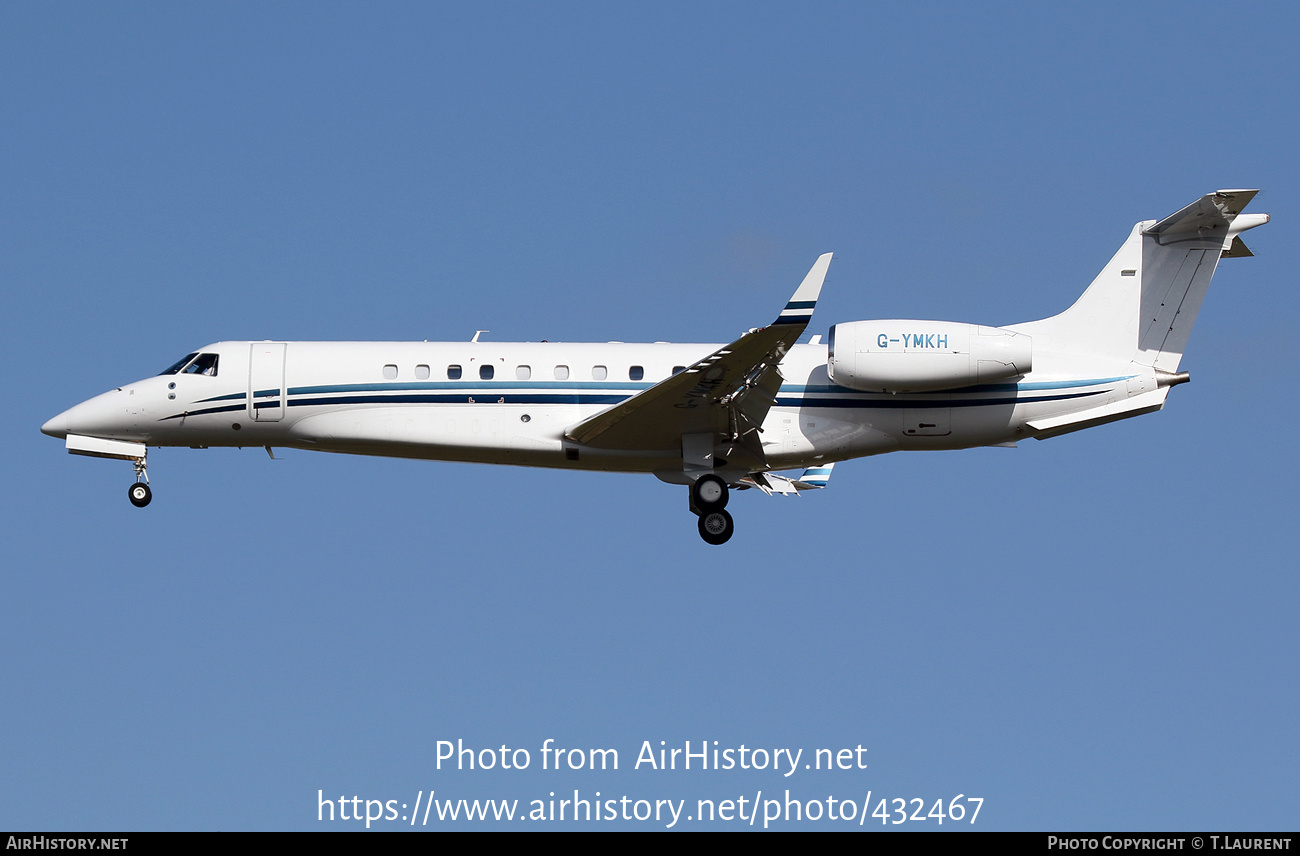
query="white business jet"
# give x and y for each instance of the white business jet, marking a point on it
(709, 417)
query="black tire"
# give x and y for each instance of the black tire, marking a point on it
(716, 527)
(140, 494)
(709, 493)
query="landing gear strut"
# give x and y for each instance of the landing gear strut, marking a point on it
(709, 496)
(139, 492)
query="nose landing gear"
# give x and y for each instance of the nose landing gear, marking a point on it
(139, 492)
(709, 496)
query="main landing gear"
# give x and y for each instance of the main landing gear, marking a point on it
(139, 492)
(709, 496)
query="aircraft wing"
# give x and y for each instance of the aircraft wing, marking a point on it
(728, 393)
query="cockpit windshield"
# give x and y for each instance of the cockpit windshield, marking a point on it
(202, 364)
(176, 367)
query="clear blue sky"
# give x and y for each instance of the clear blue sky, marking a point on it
(1096, 631)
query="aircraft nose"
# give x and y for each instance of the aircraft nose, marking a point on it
(57, 427)
(102, 416)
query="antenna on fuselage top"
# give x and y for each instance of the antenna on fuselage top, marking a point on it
(478, 333)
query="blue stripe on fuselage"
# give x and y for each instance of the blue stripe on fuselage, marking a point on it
(789, 395)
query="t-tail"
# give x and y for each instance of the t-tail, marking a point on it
(1140, 309)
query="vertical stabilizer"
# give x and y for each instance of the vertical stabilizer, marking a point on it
(1142, 305)
(1179, 256)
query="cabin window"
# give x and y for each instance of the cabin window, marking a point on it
(599, 372)
(636, 373)
(390, 372)
(678, 369)
(453, 372)
(561, 372)
(486, 371)
(523, 372)
(421, 372)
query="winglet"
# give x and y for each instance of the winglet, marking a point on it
(800, 308)
(770, 483)
(816, 476)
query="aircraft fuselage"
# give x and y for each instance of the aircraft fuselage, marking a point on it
(432, 401)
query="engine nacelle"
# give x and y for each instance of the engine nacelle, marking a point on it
(921, 356)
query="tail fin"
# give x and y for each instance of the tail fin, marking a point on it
(1142, 305)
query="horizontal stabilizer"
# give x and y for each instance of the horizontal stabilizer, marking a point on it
(1212, 211)
(1238, 250)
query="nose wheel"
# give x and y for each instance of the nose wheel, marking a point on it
(139, 493)
(709, 496)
